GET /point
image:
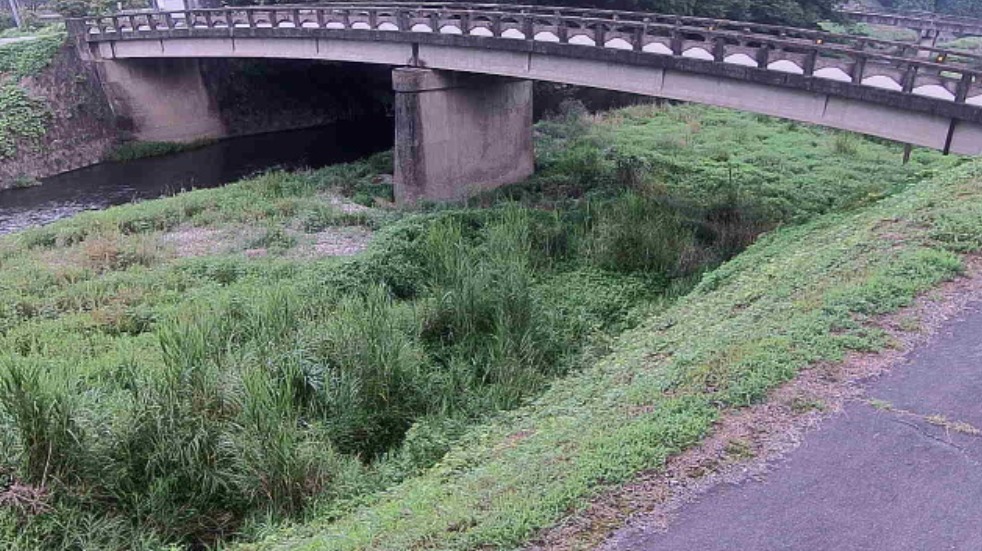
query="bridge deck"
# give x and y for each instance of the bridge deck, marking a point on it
(768, 57)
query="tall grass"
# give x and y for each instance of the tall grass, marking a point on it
(147, 400)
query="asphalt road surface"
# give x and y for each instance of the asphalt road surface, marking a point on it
(880, 478)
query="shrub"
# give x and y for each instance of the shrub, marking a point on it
(22, 119)
(638, 233)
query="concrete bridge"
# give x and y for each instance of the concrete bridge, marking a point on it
(926, 23)
(463, 72)
(929, 26)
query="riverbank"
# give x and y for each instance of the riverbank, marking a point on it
(168, 340)
(800, 298)
(55, 116)
(209, 165)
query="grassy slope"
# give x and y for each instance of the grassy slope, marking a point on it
(799, 296)
(88, 297)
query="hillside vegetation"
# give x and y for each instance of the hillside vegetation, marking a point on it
(198, 369)
(23, 117)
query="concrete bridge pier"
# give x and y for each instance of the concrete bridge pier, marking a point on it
(161, 100)
(458, 133)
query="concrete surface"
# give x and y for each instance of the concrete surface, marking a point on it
(457, 134)
(876, 106)
(870, 479)
(162, 100)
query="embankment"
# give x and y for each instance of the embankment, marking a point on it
(59, 117)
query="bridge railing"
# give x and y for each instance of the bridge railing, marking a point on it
(932, 22)
(714, 41)
(889, 47)
(925, 16)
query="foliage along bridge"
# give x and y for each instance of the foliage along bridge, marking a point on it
(928, 25)
(463, 72)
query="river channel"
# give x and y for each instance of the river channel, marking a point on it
(114, 183)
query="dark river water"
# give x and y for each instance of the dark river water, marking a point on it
(106, 184)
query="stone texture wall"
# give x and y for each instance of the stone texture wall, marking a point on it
(80, 128)
(96, 105)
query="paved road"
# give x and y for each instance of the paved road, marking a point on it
(868, 479)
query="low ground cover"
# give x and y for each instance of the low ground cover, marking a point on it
(186, 371)
(23, 117)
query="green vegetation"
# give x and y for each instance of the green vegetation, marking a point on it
(29, 57)
(130, 151)
(968, 43)
(799, 297)
(963, 8)
(150, 395)
(879, 32)
(22, 117)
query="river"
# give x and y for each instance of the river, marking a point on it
(115, 183)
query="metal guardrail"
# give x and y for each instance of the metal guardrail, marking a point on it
(856, 60)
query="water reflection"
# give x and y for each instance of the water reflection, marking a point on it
(107, 184)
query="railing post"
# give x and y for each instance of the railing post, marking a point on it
(562, 31)
(910, 78)
(763, 56)
(809, 63)
(319, 13)
(296, 17)
(465, 24)
(961, 93)
(858, 67)
(599, 34)
(528, 26)
(250, 18)
(637, 42)
(676, 41)
(496, 26)
(719, 49)
(435, 22)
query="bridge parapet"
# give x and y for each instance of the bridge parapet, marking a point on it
(922, 21)
(781, 50)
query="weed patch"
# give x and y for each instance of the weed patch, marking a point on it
(551, 339)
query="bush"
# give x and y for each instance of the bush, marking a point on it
(638, 233)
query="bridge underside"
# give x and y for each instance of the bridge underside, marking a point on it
(830, 103)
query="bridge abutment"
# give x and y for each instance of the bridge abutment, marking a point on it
(458, 133)
(162, 100)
